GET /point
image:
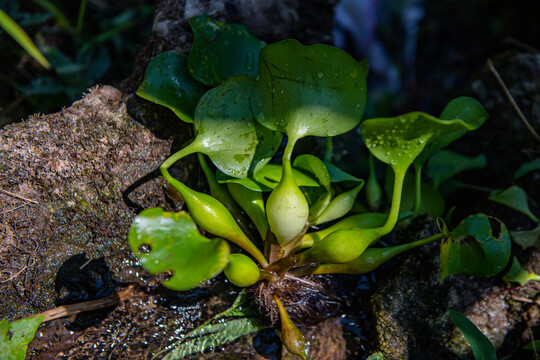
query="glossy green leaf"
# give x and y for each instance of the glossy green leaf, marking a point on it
(527, 238)
(22, 38)
(519, 275)
(339, 206)
(315, 166)
(175, 245)
(247, 182)
(270, 176)
(446, 163)
(482, 348)
(337, 175)
(515, 198)
(15, 337)
(313, 90)
(527, 168)
(397, 141)
(226, 131)
(221, 50)
(460, 116)
(167, 82)
(480, 245)
(253, 204)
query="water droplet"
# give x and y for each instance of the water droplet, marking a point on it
(357, 106)
(393, 162)
(320, 75)
(388, 153)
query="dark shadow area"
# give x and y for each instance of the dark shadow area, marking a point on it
(81, 279)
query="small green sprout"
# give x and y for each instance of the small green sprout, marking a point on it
(297, 91)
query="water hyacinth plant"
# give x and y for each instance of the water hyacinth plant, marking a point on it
(245, 98)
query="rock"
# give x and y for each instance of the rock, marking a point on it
(61, 183)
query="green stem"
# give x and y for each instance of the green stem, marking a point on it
(188, 150)
(399, 176)
(329, 153)
(82, 11)
(286, 159)
(371, 259)
(417, 188)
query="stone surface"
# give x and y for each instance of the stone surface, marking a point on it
(61, 182)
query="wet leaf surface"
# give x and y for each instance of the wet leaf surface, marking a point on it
(313, 90)
(480, 245)
(165, 241)
(221, 50)
(167, 82)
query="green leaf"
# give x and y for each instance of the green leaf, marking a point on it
(480, 245)
(267, 178)
(460, 116)
(527, 238)
(527, 168)
(519, 275)
(270, 176)
(446, 163)
(22, 38)
(313, 90)
(15, 337)
(176, 245)
(247, 182)
(253, 204)
(221, 50)
(212, 336)
(167, 82)
(338, 175)
(515, 198)
(226, 130)
(398, 141)
(339, 206)
(315, 166)
(482, 348)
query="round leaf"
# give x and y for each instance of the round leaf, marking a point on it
(175, 244)
(226, 130)
(479, 245)
(313, 90)
(167, 82)
(221, 50)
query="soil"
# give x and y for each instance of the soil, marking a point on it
(72, 182)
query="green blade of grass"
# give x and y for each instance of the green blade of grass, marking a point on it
(21, 37)
(52, 8)
(482, 348)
